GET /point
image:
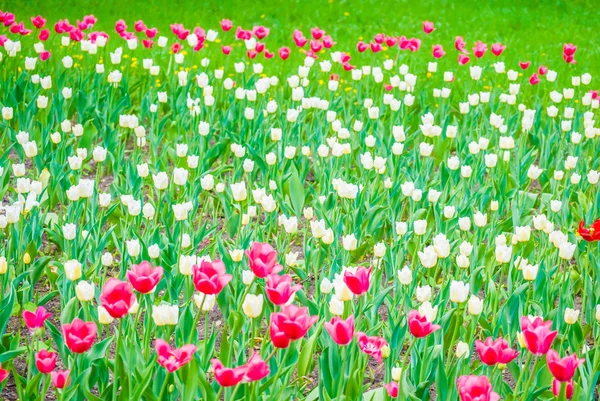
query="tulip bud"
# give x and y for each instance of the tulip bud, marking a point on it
(72, 269)
(103, 316)
(396, 374)
(385, 351)
(571, 316)
(462, 349)
(253, 305)
(26, 258)
(84, 291)
(3, 265)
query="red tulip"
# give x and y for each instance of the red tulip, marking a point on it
(299, 38)
(79, 335)
(279, 289)
(438, 51)
(316, 46)
(293, 321)
(317, 33)
(479, 49)
(256, 369)
(3, 374)
(492, 352)
(117, 297)
(278, 337)
(284, 53)
(44, 35)
(419, 326)
(475, 388)
(173, 358)
(176, 47)
(414, 44)
(328, 42)
(562, 369)
(459, 44)
(379, 38)
(340, 330)
(260, 32)
(144, 277)
(542, 70)
(359, 281)
(362, 46)
(589, 234)
(371, 345)
(268, 54)
(524, 64)
(428, 27)
(497, 49)
(534, 80)
(139, 26)
(463, 59)
(556, 387)
(569, 49)
(391, 41)
(227, 377)
(226, 24)
(392, 389)
(45, 361)
(226, 50)
(60, 378)
(375, 47)
(538, 335)
(38, 21)
(262, 258)
(151, 32)
(210, 277)
(35, 320)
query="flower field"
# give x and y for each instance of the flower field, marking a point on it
(264, 210)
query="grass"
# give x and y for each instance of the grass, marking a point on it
(534, 30)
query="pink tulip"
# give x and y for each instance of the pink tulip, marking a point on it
(438, 51)
(497, 49)
(428, 27)
(479, 49)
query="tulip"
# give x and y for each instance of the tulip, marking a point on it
(35, 320)
(371, 345)
(210, 277)
(143, 277)
(359, 281)
(479, 49)
(262, 259)
(492, 352)
(173, 358)
(419, 326)
(279, 289)
(228, 377)
(590, 234)
(557, 387)
(428, 27)
(79, 335)
(3, 374)
(292, 321)
(117, 297)
(60, 378)
(497, 49)
(340, 330)
(45, 361)
(392, 389)
(537, 334)
(563, 369)
(256, 369)
(475, 388)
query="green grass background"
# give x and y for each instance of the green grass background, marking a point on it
(532, 30)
